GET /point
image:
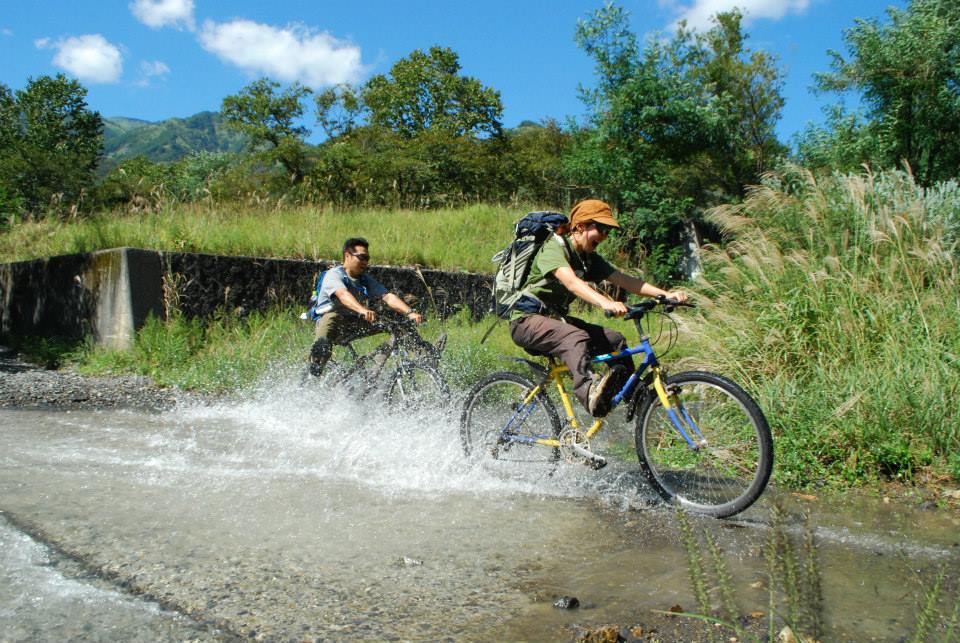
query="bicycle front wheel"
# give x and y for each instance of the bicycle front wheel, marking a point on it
(730, 466)
(417, 386)
(496, 422)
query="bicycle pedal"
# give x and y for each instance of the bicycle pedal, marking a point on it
(597, 464)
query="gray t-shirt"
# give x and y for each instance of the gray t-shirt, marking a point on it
(365, 288)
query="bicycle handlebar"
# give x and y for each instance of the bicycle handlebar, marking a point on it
(641, 309)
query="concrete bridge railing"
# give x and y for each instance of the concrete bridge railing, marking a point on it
(110, 294)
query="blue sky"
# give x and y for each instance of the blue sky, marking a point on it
(155, 59)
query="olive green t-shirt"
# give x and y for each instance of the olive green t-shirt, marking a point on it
(557, 253)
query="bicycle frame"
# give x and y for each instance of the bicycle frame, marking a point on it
(377, 358)
(556, 370)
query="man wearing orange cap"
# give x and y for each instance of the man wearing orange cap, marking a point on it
(560, 273)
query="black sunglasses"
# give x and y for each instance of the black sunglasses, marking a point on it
(603, 227)
(362, 256)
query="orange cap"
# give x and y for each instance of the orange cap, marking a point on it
(592, 210)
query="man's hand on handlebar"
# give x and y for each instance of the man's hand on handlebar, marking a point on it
(678, 296)
(612, 308)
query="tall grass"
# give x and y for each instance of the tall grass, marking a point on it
(838, 301)
(463, 239)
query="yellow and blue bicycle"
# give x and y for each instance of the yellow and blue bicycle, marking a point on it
(702, 441)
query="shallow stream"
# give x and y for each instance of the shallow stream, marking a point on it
(287, 515)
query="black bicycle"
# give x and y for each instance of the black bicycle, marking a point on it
(405, 368)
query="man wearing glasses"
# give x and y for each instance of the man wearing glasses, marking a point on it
(343, 303)
(560, 273)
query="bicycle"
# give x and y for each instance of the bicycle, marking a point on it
(412, 365)
(703, 443)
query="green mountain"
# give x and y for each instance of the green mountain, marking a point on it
(168, 140)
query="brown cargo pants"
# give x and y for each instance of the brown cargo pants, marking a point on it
(571, 340)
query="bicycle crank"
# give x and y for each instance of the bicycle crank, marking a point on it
(574, 447)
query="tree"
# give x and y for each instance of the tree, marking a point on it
(680, 126)
(270, 120)
(429, 136)
(532, 164)
(746, 87)
(50, 144)
(339, 109)
(908, 76)
(425, 92)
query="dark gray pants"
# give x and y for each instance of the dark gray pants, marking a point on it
(571, 340)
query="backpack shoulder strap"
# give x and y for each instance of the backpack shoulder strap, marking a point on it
(316, 288)
(526, 290)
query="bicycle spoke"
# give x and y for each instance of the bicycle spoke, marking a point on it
(417, 387)
(729, 469)
(497, 423)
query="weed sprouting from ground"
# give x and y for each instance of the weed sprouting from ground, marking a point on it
(793, 581)
(795, 605)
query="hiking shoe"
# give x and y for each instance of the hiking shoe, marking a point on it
(602, 390)
(597, 403)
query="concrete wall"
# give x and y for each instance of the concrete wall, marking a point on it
(109, 294)
(46, 297)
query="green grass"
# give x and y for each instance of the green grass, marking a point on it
(214, 356)
(454, 239)
(227, 353)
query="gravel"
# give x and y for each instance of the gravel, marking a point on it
(28, 386)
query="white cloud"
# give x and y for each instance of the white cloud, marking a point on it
(699, 13)
(154, 68)
(150, 69)
(293, 53)
(164, 13)
(6, 31)
(89, 57)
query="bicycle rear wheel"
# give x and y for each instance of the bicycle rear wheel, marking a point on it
(496, 423)
(417, 386)
(731, 467)
(344, 363)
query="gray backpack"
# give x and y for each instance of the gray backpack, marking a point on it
(514, 262)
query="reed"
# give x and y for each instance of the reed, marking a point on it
(836, 300)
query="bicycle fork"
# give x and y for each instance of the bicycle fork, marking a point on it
(678, 414)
